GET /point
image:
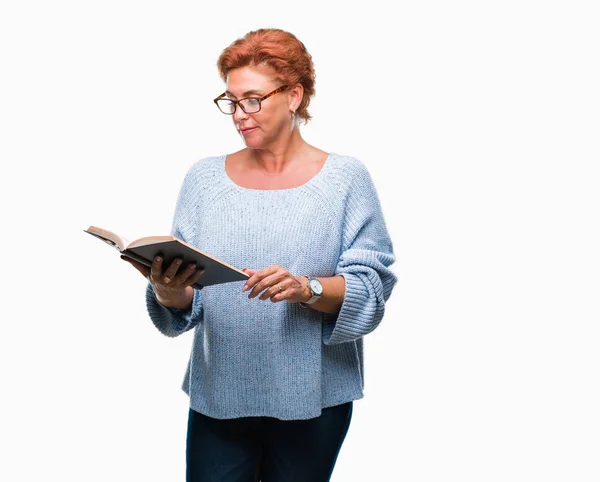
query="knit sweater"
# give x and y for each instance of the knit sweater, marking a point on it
(253, 357)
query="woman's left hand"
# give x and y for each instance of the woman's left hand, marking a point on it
(276, 283)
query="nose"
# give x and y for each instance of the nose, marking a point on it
(239, 115)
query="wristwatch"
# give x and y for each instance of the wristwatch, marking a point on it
(316, 290)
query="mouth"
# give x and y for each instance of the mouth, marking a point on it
(247, 130)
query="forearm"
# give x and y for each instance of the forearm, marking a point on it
(179, 301)
(334, 289)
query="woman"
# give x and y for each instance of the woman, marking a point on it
(277, 362)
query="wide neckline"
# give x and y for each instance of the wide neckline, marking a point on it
(289, 189)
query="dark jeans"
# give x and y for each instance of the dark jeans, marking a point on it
(250, 449)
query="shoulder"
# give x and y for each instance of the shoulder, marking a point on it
(207, 166)
(350, 172)
(345, 162)
(201, 176)
(204, 172)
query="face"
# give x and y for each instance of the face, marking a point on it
(266, 127)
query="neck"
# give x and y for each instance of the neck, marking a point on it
(275, 159)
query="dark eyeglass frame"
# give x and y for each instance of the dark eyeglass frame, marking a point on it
(237, 102)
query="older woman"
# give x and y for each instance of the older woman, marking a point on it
(277, 362)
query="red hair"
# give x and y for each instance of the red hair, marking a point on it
(277, 49)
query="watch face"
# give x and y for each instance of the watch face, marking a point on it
(316, 286)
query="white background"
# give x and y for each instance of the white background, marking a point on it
(479, 124)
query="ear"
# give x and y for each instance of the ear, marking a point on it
(296, 94)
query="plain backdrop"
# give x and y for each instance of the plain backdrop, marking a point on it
(479, 124)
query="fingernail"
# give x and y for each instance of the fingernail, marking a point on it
(167, 280)
(244, 288)
(158, 258)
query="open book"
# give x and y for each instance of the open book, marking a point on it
(145, 249)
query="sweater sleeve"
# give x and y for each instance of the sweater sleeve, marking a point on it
(170, 321)
(365, 261)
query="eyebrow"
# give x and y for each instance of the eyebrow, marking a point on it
(248, 92)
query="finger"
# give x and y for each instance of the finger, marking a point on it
(170, 272)
(274, 291)
(184, 274)
(195, 277)
(257, 278)
(254, 278)
(265, 284)
(156, 269)
(279, 296)
(268, 293)
(250, 273)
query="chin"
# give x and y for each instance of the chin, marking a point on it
(253, 142)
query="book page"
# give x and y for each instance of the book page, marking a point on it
(148, 240)
(108, 237)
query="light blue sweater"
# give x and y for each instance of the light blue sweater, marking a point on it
(253, 357)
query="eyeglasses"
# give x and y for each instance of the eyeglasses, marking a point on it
(250, 105)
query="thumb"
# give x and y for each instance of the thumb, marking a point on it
(139, 266)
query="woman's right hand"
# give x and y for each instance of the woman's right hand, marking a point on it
(172, 287)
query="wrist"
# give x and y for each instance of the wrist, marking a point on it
(181, 300)
(306, 293)
(313, 291)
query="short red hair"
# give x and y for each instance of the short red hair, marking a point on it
(281, 51)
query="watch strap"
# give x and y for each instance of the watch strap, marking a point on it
(313, 298)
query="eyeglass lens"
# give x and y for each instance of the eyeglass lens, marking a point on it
(249, 106)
